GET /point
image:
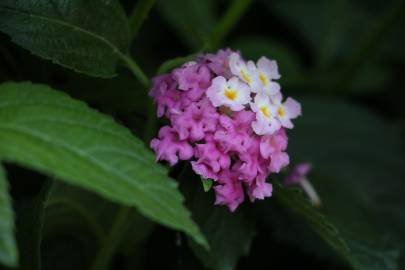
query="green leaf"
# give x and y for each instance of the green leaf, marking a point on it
(8, 246)
(50, 132)
(358, 173)
(89, 36)
(229, 234)
(207, 184)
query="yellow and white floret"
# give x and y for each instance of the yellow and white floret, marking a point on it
(266, 72)
(266, 122)
(285, 111)
(247, 72)
(232, 93)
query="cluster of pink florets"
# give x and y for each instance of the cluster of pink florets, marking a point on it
(226, 117)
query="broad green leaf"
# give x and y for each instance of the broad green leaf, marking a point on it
(358, 172)
(229, 234)
(89, 36)
(192, 20)
(8, 246)
(48, 131)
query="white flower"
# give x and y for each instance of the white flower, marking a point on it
(269, 68)
(286, 111)
(266, 121)
(247, 72)
(232, 93)
(267, 71)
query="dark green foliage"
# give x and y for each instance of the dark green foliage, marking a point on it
(87, 36)
(8, 247)
(66, 139)
(229, 234)
(361, 255)
(101, 198)
(363, 166)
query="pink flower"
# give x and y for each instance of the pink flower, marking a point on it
(259, 189)
(297, 174)
(278, 161)
(210, 160)
(216, 126)
(168, 147)
(197, 119)
(233, 134)
(193, 78)
(165, 94)
(248, 167)
(219, 62)
(229, 191)
(272, 147)
(270, 144)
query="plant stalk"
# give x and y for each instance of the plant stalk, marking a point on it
(136, 70)
(111, 242)
(235, 11)
(138, 16)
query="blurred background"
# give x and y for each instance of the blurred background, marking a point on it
(344, 60)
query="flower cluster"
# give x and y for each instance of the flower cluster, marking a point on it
(227, 116)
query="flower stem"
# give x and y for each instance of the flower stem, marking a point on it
(110, 243)
(227, 22)
(135, 69)
(139, 15)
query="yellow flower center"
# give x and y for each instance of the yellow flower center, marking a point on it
(265, 111)
(281, 111)
(231, 94)
(245, 76)
(263, 78)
